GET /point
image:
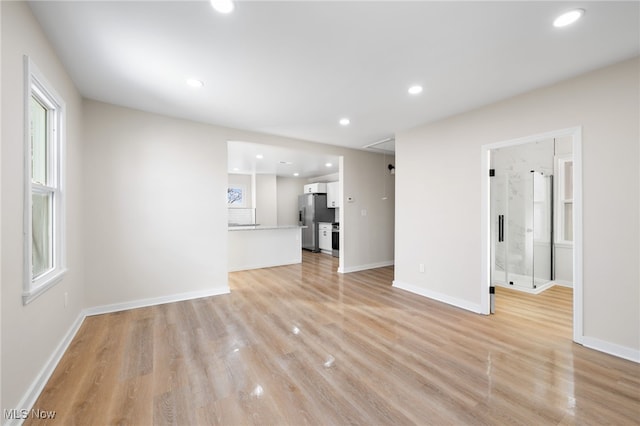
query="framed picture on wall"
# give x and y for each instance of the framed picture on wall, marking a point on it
(236, 196)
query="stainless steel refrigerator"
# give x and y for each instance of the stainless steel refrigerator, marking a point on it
(312, 209)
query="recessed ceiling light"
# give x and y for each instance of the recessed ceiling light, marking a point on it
(296, 174)
(235, 169)
(344, 121)
(414, 90)
(195, 82)
(288, 163)
(328, 165)
(222, 6)
(568, 18)
(259, 156)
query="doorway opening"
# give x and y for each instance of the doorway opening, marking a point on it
(265, 182)
(532, 217)
(523, 216)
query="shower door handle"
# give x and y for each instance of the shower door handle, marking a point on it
(500, 228)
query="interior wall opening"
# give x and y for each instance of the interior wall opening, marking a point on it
(533, 216)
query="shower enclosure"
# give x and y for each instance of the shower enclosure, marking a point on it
(522, 229)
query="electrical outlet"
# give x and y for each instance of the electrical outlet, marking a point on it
(363, 212)
(421, 267)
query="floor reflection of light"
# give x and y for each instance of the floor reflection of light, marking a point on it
(295, 330)
(329, 362)
(257, 391)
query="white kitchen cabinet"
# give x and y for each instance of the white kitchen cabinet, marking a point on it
(333, 195)
(315, 188)
(325, 229)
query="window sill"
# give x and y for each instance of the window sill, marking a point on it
(44, 284)
(564, 244)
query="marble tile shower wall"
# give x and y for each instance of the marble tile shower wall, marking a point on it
(513, 167)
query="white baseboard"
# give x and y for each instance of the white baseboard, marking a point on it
(611, 348)
(459, 303)
(260, 266)
(563, 283)
(33, 392)
(141, 303)
(357, 268)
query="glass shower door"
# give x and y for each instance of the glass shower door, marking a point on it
(519, 230)
(522, 229)
(542, 228)
(498, 204)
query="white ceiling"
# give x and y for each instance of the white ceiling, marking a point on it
(294, 68)
(279, 161)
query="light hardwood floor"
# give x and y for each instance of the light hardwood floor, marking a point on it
(303, 345)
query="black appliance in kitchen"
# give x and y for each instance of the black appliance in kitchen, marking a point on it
(312, 209)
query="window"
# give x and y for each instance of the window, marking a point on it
(541, 208)
(565, 200)
(44, 191)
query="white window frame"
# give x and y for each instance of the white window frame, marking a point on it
(37, 86)
(546, 232)
(561, 160)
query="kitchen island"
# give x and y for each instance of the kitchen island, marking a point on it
(259, 246)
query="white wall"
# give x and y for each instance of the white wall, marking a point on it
(438, 184)
(266, 200)
(288, 191)
(155, 203)
(372, 209)
(156, 196)
(30, 334)
(1, 138)
(564, 265)
(146, 209)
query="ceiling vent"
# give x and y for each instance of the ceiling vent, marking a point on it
(387, 145)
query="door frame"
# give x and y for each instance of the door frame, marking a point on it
(576, 134)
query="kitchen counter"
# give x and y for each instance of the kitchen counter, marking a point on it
(262, 227)
(274, 245)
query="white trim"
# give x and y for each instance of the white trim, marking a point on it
(576, 133)
(578, 332)
(365, 267)
(611, 348)
(38, 384)
(261, 265)
(48, 280)
(35, 82)
(563, 283)
(35, 389)
(440, 297)
(565, 245)
(341, 215)
(561, 199)
(485, 233)
(142, 303)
